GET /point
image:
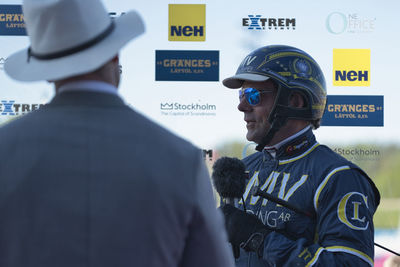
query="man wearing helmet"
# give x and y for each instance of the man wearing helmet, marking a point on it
(282, 97)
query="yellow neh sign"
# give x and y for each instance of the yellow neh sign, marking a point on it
(187, 22)
(351, 67)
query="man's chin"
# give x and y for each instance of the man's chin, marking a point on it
(252, 138)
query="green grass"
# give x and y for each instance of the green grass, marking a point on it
(386, 219)
(388, 214)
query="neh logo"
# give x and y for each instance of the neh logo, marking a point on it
(9, 107)
(351, 67)
(256, 22)
(12, 20)
(187, 22)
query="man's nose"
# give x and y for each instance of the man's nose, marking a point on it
(243, 105)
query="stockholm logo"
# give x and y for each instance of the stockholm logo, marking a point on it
(187, 22)
(351, 67)
(167, 106)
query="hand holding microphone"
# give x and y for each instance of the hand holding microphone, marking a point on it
(244, 230)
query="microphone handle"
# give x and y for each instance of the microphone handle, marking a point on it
(232, 201)
(286, 204)
(282, 202)
(236, 251)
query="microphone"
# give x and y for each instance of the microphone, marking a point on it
(229, 177)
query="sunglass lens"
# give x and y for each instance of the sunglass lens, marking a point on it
(252, 96)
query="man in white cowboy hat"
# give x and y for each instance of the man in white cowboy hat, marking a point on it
(85, 180)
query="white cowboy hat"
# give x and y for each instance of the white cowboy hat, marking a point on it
(68, 38)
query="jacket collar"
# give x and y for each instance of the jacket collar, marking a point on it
(294, 148)
(86, 98)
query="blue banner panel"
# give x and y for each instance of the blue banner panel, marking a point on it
(187, 65)
(12, 20)
(353, 110)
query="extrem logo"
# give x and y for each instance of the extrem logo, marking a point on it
(351, 67)
(10, 108)
(187, 22)
(256, 22)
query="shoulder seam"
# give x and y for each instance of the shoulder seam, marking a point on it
(325, 181)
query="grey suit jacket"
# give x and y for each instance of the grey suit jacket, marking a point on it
(87, 181)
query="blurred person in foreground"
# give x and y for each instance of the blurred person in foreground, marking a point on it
(86, 180)
(392, 261)
(282, 96)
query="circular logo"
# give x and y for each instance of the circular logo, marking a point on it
(336, 23)
(352, 209)
(302, 67)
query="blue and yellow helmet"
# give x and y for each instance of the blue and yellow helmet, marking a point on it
(293, 70)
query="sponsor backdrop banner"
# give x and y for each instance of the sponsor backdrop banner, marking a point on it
(11, 20)
(179, 65)
(187, 22)
(350, 110)
(173, 73)
(351, 67)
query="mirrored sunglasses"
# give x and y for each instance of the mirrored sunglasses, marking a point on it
(252, 95)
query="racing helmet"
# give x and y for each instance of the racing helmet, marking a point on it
(293, 70)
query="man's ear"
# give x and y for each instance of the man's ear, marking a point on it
(297, 100)
(115, 59)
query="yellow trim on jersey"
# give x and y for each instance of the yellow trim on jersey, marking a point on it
(324, 182)
(286, 161)
(352, 251)
(315, 258)
(349, 250)
(249, 185)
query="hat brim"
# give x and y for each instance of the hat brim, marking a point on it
(237, 80)
(127, 27)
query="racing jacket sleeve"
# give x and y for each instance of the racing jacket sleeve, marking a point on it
(344, 202)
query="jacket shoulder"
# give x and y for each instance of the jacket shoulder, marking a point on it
(332, 160)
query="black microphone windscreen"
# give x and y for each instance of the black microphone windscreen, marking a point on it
(229, 177)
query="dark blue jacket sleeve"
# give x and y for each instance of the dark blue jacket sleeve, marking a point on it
(345, 202)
